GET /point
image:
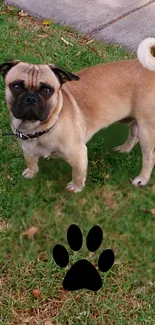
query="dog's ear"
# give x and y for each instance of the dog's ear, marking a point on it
(62, 74)
(6, 66)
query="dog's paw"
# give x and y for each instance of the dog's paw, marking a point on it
(139, 181)
(123, 148)
(29, 173)
(72, 187)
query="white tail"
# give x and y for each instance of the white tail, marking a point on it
(146, 53)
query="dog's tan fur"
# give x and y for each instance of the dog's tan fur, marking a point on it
(105, 93)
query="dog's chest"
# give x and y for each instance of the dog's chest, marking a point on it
(40, 149)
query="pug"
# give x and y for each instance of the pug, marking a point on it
(55, 113)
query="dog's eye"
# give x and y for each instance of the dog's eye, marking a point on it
(17, 86)
(46, 90)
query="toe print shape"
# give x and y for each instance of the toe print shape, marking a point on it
(106, 260)
(82, 274)
(94, 238)
(74, 237)
(60, 255)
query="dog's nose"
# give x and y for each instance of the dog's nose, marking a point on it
(31, 99)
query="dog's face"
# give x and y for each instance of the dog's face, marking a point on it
(32, 90)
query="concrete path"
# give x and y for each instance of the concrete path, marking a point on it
(125, 22)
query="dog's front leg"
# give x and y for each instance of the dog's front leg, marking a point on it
(32, 166)
(78, 160)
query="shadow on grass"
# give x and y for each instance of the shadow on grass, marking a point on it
(104, 166)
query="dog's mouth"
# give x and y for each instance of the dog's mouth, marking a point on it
(30, 115)
(33, 116)
(30, 107)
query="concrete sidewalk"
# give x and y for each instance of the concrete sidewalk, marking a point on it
(125, 22)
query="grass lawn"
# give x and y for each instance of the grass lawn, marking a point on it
(124, 212)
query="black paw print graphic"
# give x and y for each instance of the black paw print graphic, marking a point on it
(82, 274)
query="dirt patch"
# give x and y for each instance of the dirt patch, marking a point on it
(46, 311)
(3, 225)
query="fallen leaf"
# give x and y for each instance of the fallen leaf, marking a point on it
(10, 8)
(48, 322)
(43, 35)
(90, 41)
(10, 178)
(30, 232)
(152, 211)
(140, 289)
(66, 42)
(9, 226)
(93, 48)
(84, 40)
(36, 293)
(107, 176)
(3, 225)
(71, 34)
(22, 13)
(150, 283)
(78, 53)
(47, 22)
(42, 257)
(26, 320)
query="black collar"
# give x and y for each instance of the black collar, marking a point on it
(24, 136)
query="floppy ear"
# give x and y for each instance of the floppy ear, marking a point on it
(62, 74)
(6, 66)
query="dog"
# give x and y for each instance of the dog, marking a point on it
(55, 113)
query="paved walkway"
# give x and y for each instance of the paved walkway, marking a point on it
(125, 22)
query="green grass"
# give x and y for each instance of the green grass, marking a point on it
(127, 296)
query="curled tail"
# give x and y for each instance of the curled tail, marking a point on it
(146, 53)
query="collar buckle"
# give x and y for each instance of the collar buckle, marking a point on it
(22, 136)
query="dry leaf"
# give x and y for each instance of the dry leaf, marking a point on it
(26, 320)
(42, 257)
(152, 211)
(10, 178)
(47, 22)
(71, 34)
(43, 35)
(36, 293)
(66, 42)
(107, 176)
(22, 13)
(93, 48)
(78, 53)
(10, 8)
(30, 232)
(48, 322)
(91, 41)
(3, 225)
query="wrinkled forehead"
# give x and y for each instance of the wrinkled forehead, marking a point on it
(32, 75)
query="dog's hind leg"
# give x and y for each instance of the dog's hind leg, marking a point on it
(32, 166)
(131, 141)
(147, 143)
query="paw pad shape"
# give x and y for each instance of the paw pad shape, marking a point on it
(82, 274)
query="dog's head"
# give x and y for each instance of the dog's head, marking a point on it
(32, 90)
